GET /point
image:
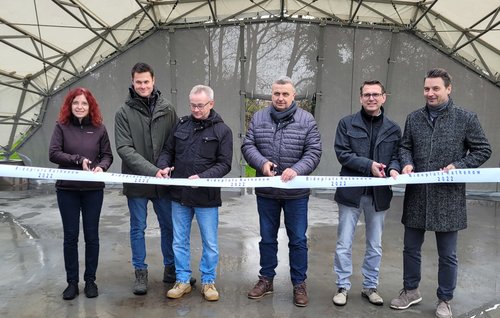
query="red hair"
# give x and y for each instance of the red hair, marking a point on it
(94, 112)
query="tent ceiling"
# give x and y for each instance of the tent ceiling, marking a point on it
(45, 44)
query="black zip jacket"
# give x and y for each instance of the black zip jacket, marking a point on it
(198, 147)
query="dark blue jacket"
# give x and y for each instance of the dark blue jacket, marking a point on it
(198, 147)
(352, 147)
(296, 145)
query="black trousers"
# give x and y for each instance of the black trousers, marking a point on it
(448, 263)
(89, 203)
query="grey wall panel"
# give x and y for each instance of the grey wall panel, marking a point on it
(208, 57)
(192, 63)
(336, 101)
(225, 80)
(276, 49)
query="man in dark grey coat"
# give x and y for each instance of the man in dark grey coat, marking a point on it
(283, 140)
(439, 136)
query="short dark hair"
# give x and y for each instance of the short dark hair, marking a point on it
(372, 82)
(439, 72)
(142, 68)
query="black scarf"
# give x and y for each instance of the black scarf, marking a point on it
(283, 118)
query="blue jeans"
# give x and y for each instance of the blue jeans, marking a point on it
(448, 263)
(374, 225)
(295, 213)
(89, 203)
(208, 221)
(138, 222)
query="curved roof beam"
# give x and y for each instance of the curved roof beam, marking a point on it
(85, 13)
(414, 24)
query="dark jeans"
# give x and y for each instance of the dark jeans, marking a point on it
(90, 204)
(295, 214)
(448, 262)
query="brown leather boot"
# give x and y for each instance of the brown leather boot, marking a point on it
(263, 287)
(300, 295)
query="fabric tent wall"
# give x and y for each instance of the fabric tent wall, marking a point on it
(185, 57)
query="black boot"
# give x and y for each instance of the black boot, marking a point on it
(90, 289)
(71, 291)
(169, 274)
(170, 277)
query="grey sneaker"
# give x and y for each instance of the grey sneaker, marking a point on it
(141, 282)
(443, 309)
(372, 295)
(406, 298)
(340, 298)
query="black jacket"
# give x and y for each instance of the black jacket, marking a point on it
(73, 142)
(203, 148)
(352, 146)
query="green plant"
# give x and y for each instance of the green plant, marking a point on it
(249, 172)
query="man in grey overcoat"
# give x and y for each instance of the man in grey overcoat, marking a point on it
(439, 136)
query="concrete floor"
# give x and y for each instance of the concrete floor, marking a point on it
(32, 275)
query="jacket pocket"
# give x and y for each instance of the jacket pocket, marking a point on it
(208, 148)
(359, 142)
(387, 147)
(180, 142)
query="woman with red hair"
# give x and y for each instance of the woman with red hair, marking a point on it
(80, 142)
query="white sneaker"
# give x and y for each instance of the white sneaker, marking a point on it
(340, 298)
(372, 295)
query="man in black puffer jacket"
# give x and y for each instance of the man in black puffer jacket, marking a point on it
(283, 140)
(200, 146)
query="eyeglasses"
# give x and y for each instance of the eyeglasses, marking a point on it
(374, 95)
(199, 107)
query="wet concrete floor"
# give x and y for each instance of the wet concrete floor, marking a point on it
(32, 275)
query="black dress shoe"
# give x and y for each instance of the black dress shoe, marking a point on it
(91, 289)
(71, 291)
